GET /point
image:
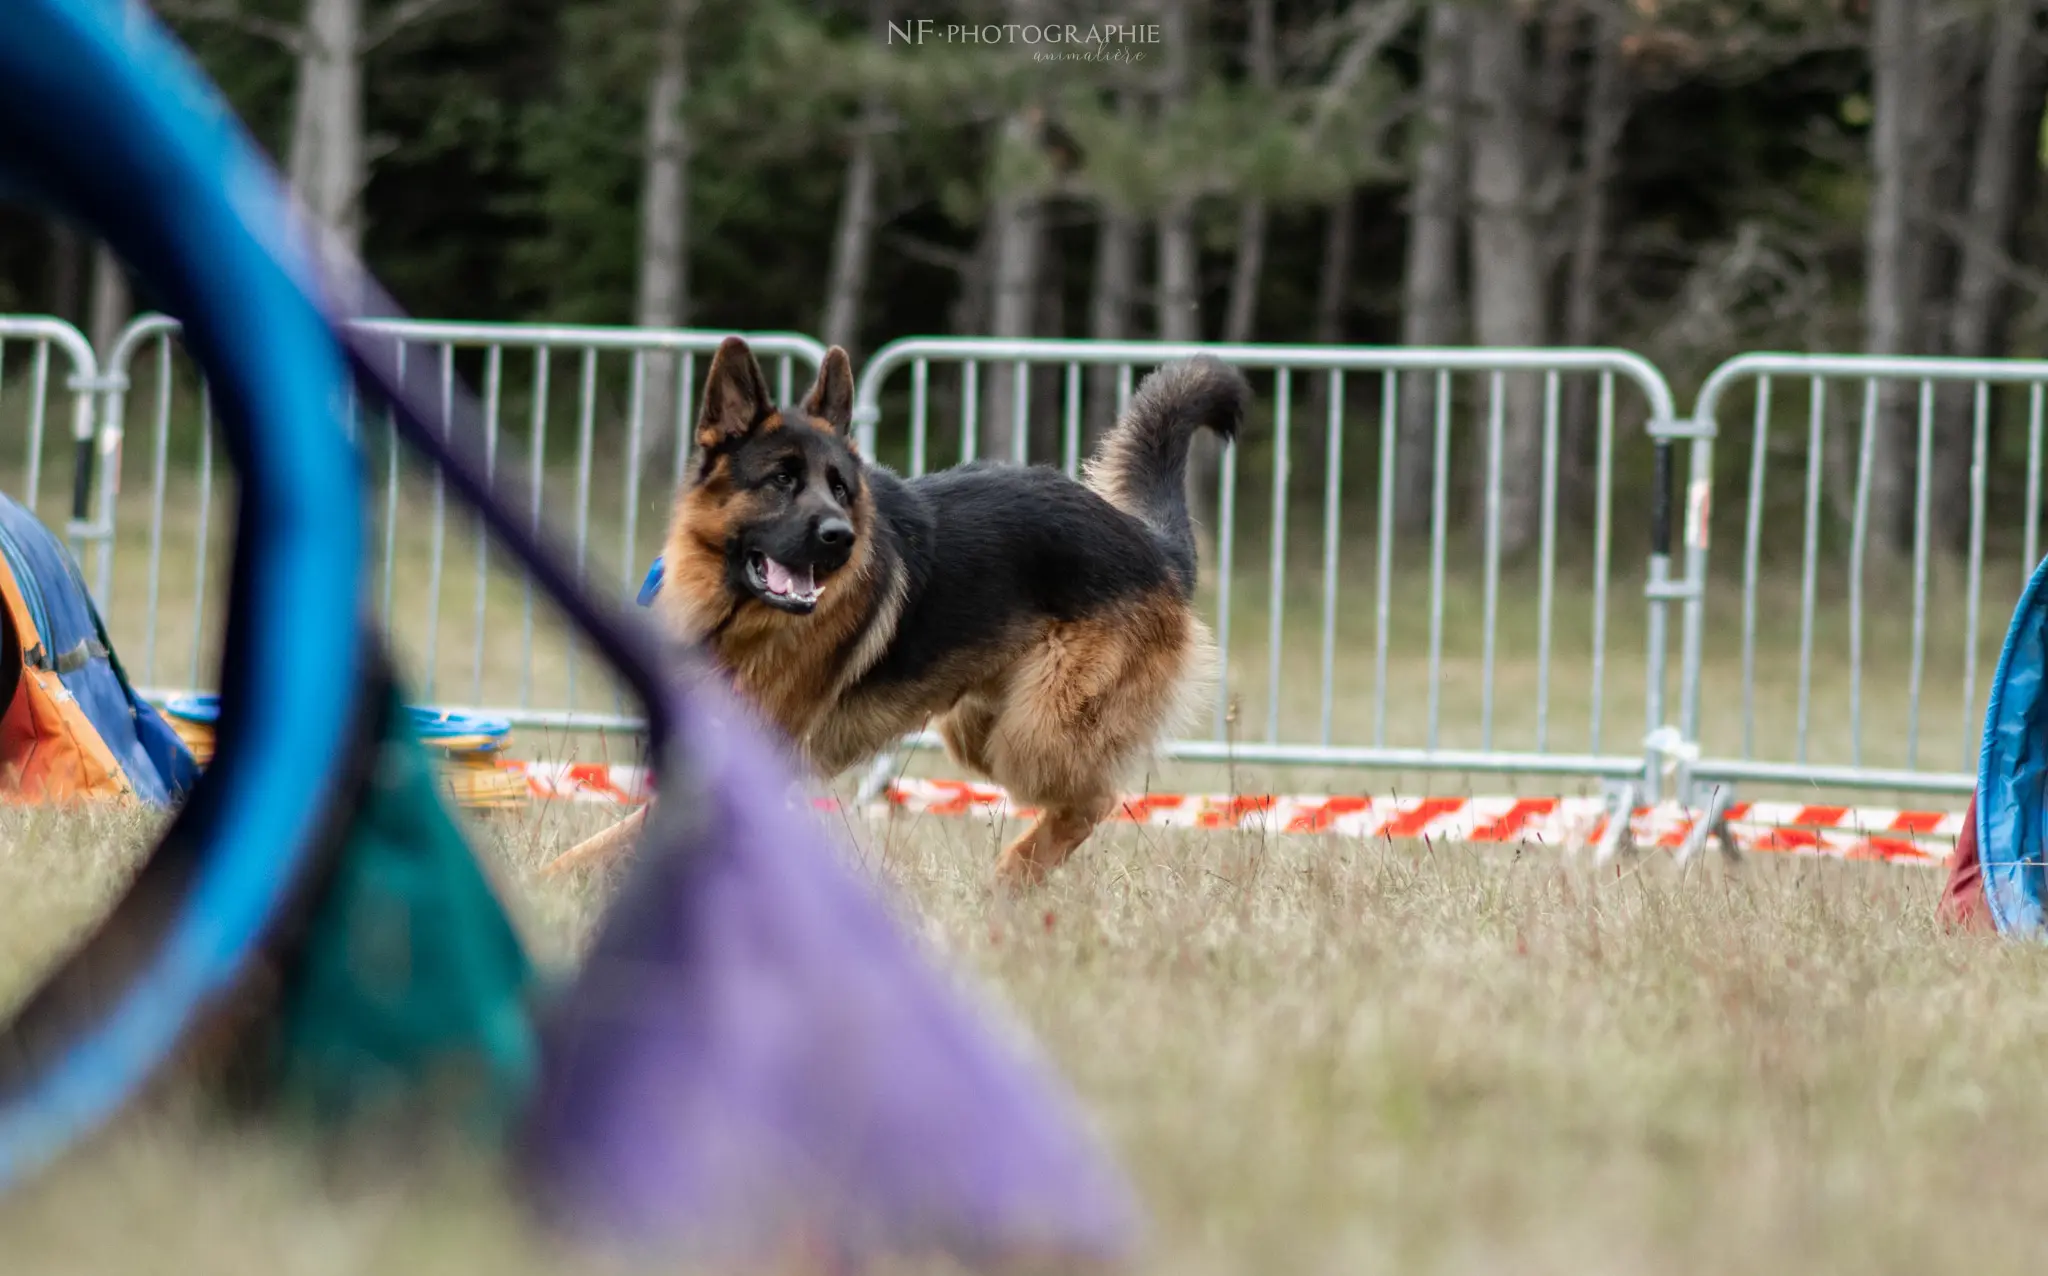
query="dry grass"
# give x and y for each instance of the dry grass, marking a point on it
(1315, 1056)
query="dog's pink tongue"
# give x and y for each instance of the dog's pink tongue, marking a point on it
(780, 581)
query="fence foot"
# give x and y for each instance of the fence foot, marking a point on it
(1618, 837)
(879, 773)
(1712, 824)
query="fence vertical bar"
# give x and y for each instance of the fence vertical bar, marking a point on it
(440, 541)
(1020, 413)
(586, 429)
(1603, 544)
(1333, 487)
(1752, 543)
(1382, 601)
(494, 379)
(1979, 444)
(1809, 567)
(2034, 405)
(970, 411)
(1276, 584)
(1226, 565)
(920, 373)
(391, 498)
(1439, 516)
(686, 386)
(1921, 489)
(1859, 542)
(159, 480)
(1070, 454)
(536, 478)
(200, 534)
(38, 418)
(636, 410)
(1546, 584)
(1496, 421)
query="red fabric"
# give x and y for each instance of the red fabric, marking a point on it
(1962, 900)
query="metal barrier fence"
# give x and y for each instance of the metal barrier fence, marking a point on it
(47, 340)
(1461, 678)
(1902, 451)
(1437, 377)
(516, 668)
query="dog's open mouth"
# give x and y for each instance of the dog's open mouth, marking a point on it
(794, 589)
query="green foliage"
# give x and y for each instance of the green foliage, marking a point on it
(506, 140)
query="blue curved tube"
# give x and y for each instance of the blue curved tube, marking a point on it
(104, 118)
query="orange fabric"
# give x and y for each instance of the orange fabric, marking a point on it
(49, 750)
(1962, 899)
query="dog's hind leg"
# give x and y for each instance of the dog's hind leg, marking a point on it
(1078, 710)
(1051, 839)
(969, 731)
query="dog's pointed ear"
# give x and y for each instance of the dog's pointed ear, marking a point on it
(831, 399)
(736, 396)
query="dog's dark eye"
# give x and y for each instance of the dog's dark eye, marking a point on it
(782, 479)
(839, 491)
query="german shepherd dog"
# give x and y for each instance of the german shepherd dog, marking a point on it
(1045, 624)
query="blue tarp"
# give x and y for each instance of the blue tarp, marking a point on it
(2012, 808)
(652, 585)
(74, 645)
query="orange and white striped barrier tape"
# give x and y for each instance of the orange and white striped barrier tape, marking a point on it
(1842, 832)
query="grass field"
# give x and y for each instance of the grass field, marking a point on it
(1314, 1056)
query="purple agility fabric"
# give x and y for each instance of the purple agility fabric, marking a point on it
(755, 1056)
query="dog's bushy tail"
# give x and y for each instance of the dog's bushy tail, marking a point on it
(1141, 464)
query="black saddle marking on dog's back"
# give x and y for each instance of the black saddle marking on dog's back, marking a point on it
(987, 547)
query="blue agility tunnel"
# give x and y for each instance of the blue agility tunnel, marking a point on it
(2012, 772)
(105, 120)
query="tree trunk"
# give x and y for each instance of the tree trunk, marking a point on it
(852, 243)
(1109, 307)
(968, 315)
(1508, 271)
(1429, 286)
(1894, 288)
(1179, 297)
(1049, 384)
(1984, 239)
(67, 270)
(1606, 115)
(1246, 270)
(662, 297)
(1333, 286)
(1179, 269)
(1248, 263)
(1113, 290)
(1180, 317)
(853, 239)
(112, 306)
(1310, 392)
(327, 164)
(1017, 232)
